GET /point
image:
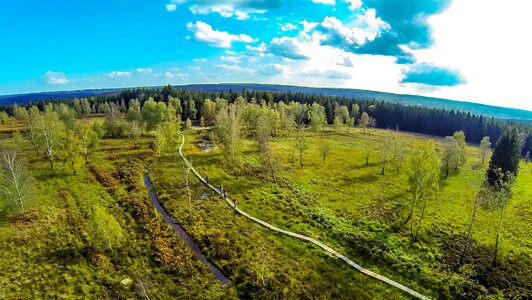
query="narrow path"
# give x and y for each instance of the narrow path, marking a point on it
(302, 237)
(189, 241)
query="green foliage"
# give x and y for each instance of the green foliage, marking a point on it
(485, 146)
(105, 231)
(505, 156)
(16, 182)
(317, 117)
(153, 113)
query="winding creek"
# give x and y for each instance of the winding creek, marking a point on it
(189, 241)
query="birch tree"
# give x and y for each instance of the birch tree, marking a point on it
(16, 184)
(264, 135)
(485, 146)
(423, 178)
(301, 144)
(52, 131)
(450, 156)
(227, 131)
(105, 231)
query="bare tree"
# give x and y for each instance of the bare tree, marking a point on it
(16, 184)
(301, 144)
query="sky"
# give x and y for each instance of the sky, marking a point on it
(470, 50)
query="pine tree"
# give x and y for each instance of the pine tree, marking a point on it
(505, 156)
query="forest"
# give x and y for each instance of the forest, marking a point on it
(436, 200)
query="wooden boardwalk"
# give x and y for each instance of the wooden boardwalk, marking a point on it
(300, 236)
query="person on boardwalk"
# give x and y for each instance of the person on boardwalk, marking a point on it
(225, 194)
(207, 179)
(234, 201)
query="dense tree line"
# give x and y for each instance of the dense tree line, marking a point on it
(437, 122)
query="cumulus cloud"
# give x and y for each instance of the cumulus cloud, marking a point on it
(430, 74)
(336, 34)
(225, 10)
(174, 75)
(199, 60)
(235, 68)
(287, 27)
(346, 62)
(144, 70)
(171, 7)
(408, 25)
(275, 69)
(204, 33)
(330, 2)
(329, 74)
(288, 47)
(55, 78)
(117, 74)
(233, 59)
(259, 50)
(354, 4)
(239, 9)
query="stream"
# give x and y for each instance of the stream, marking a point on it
(189, 241)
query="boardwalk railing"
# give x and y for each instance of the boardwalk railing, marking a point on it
(300, 236)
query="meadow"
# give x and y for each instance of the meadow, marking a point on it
(349, 206)
(48, 251)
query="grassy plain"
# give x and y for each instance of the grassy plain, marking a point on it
(47, 252)
(349, 206)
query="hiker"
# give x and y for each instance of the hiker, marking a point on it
(234, 201)
(207, 179)
(225, 194)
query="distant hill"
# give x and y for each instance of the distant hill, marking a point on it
(411, 100)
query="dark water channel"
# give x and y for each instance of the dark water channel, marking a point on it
(189, 241)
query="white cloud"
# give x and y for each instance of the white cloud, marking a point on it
(204, 33)
(494, 56)
(234, 68)
(335, 33)
(224, 10)
(288, 47)
(287, 27)
(174, 75)
(354, 4)
(230, 52)
(117, 74)
(198, 60)
(329, 2)
(56, 78)
(194, 68)
(257, 50)
(171, 7)
(144, 70)
(233, 59)
(275, 69)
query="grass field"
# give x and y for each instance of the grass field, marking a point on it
(47, 252)
(347, 205)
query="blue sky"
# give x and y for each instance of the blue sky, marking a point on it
(440, 48)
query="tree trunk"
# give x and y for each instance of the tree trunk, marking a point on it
(468, 238)
(414, 238)
(499, 229)
(414, 203)
(301, 158)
